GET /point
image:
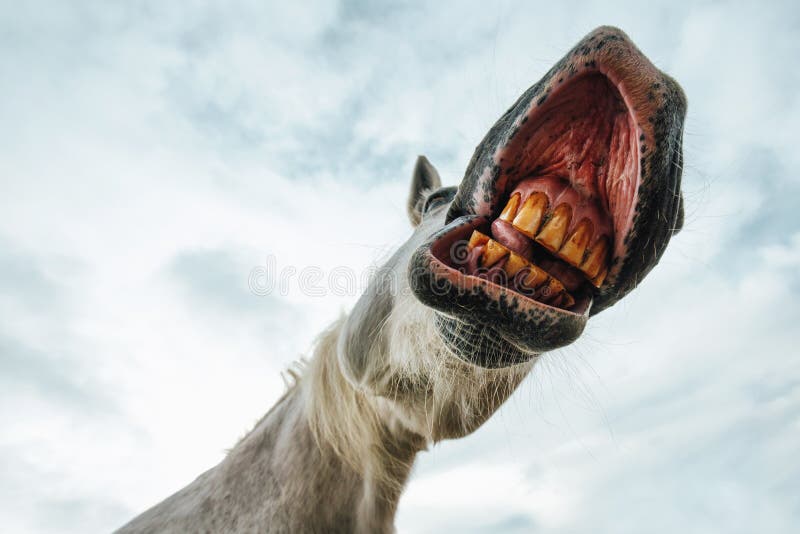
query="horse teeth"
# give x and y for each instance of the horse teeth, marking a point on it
(515, 264)
(535, 277)
(530, 215)
(493, 252)
(597, 281)
(563, 300)
(552, 234)
(548, 292)
(555, 287)
(477, 239)
(566, 301)
(511, 208)
(596, 260)
(549, 289)
(574, 248)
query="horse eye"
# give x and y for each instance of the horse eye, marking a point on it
(438, 198)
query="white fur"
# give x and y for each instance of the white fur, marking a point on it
(336, 450)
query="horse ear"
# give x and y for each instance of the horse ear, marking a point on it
(425, 178)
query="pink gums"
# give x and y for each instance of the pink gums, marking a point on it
(585, 136)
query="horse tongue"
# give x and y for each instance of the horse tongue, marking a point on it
(514, 240)
(511, 238)
(571, 277)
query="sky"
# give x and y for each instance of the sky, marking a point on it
(155, 155)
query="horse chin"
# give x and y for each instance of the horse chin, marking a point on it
(480, 344)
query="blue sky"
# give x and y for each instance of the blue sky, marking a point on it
(152, 155)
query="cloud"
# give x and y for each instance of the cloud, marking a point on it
(214, 278)
(46, 374)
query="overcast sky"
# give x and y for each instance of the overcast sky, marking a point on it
(153, 154)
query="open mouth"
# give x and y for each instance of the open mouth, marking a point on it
(568, 202)
(567, 182)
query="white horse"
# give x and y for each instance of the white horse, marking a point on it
(570, 199)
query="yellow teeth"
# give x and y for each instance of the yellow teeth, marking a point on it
(528, 219)
(536, 277)
(511, 208)
(515, 264)
(549, 290)
(566, 300)
(572, 251)
(552, 289)
(596, 260)
(563, 300)
(493, 253)
(477, 239)
(597, 281)
(553, 233)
